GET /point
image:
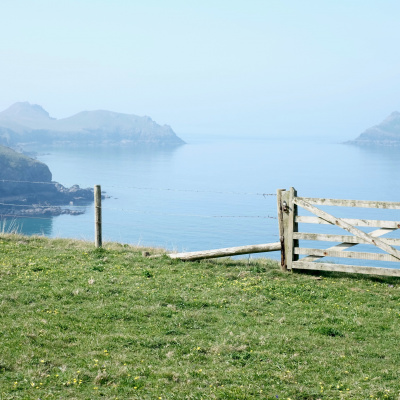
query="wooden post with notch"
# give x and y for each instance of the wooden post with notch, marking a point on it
(97, 216)
(287, 212)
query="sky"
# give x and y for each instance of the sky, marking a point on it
(251, 68)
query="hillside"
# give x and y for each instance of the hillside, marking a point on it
(27, 185)
(25, 123)
(18, 167)
(86, 323)
(387, 133)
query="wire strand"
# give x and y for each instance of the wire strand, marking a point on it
(131, 211)
(152, 188)
(39, 206)
(192, 190)
(23, 216)
(42, 183)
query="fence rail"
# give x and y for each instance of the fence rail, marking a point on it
(226, 252)
(288, 205)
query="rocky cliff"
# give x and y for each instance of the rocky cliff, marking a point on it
(387, 133)
(25, 123)
(26, 188)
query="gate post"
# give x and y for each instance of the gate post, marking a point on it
(281, 219)
(287, 212)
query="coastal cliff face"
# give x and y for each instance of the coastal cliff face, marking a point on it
(16, 167)
(24, 123)
(26, 187)
(387, 133)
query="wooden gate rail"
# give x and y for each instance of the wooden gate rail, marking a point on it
(288, 203)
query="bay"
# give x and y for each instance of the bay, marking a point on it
(212, 192)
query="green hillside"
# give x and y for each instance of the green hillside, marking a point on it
(25, 183)
(18, 167)
(83, 323)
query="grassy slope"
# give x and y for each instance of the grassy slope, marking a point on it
(77, 323)
(14, 159)
(17, 166)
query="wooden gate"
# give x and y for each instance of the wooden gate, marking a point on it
(288, 204)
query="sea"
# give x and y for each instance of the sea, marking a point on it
(213, 192)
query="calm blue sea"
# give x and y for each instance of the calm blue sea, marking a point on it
(212, 192)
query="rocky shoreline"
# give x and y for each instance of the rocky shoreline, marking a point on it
(54, 200)
(374, 143)
(37, 210)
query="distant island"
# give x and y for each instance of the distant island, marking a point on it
(26, 188)
(29, 124)
(387, 133)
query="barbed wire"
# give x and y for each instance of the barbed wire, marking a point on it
(153, 188)
(42, 206)
(188, 215)
(41, 216)
(170, 214)
(192, 190)
(42, 183)
(103, 222)
(204, 229)
(38, 206)
(23, 216)
(193, 215)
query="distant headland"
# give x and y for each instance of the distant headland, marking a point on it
(26, 188)
(387, 133)
(29, 124)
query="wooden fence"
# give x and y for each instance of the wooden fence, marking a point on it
(288, 204)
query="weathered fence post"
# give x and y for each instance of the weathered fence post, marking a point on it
(281, 228)
(293, 225)
(97, 215)
(287, 212)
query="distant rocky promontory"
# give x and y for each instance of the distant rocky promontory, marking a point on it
(26, 188)
(387, 133)
(29, 124)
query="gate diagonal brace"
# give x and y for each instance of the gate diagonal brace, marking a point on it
(344, 246)
(346, 226)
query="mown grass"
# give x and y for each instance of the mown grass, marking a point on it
(81, 323)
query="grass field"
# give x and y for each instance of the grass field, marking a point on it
(81, 323)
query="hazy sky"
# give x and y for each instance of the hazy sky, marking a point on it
(246, 67)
